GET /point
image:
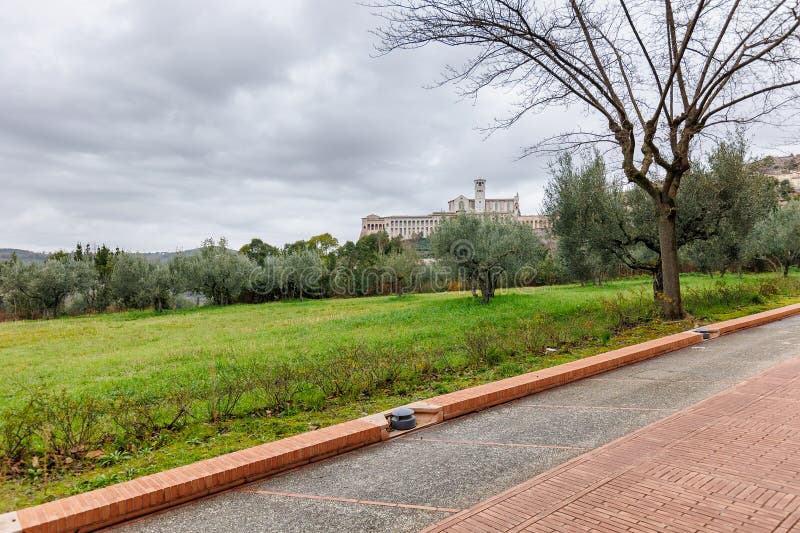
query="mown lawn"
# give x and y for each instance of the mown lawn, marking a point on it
(98, 353)
(145, 351)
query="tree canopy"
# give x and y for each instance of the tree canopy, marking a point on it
(481, 249)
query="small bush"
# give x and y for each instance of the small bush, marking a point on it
(310, 397)
(223, 388)
(531, 337)
(139, 416)
(276, 383)
(72, 425)
(18, 427)
(480, 344)
(626, 311)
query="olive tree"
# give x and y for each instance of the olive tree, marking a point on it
(657, 75)
(728, 195)
(399, 268)
(137, 282)
(597, 219)
(47, 285)
(480, 249)
(216, 272)
(583, 209)
(304, 274)
(776, 239)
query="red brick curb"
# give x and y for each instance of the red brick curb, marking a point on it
(736, 324)
(117, 503)
(475, 398)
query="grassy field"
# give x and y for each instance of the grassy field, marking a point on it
(461, 342)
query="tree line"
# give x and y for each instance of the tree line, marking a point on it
(479, 253)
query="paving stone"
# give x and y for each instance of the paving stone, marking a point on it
(430, 473)
(238, 511)
(727, 470)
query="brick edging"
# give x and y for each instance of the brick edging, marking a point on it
(475, 398)
(117, 503)
(758, 319)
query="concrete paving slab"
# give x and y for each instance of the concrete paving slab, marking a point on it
(548, 426)
(731, 358)
(430, 473)
(614, 391)
(247, 512)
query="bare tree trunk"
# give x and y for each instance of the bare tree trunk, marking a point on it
(786, 269)
(658, 283)
(671, 307)
(486, 287)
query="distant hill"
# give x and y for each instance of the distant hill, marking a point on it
(26, 256)
(163, 257)
(782, 168)
(779, 167)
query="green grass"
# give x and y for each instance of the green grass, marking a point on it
(95, 354)
(145, 351)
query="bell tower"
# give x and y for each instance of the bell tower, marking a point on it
(480, 195)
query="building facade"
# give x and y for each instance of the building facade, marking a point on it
(412, 226)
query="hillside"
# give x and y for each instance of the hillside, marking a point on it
(780, 167)
(26, 256)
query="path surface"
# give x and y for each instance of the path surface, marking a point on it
(730, 463)
(428, 477)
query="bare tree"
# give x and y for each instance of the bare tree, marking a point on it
(660, 73)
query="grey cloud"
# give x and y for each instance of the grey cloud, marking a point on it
(150, 125)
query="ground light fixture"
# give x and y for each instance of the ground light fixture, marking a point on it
(403, 418)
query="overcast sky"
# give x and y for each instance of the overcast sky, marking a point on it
(150, 125)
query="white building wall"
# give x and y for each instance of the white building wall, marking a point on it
(408, 226)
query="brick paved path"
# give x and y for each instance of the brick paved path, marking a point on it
(729, 463)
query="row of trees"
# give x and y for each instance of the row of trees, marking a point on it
(475, 252)
(729, 218)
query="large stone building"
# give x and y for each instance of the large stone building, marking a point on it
(410, 226)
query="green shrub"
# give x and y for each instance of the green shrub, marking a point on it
(223, 388)
(72, 425)
(276, 383)
(18, 427)
(310, 397)
(480, 344)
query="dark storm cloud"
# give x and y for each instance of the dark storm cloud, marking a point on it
(151, 125)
